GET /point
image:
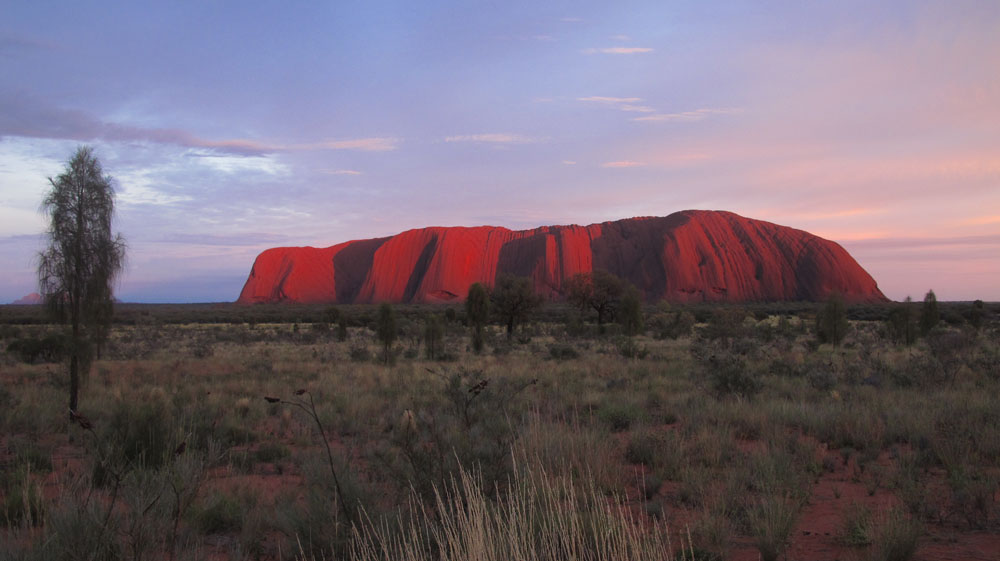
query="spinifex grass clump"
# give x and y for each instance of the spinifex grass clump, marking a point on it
(537, 516)
(894, 537)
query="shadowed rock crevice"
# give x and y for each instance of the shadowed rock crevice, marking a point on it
(419, 270)
(351, 266)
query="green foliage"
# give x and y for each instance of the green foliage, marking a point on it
(831, 321)
(23, 504)
(895, 537)
(331, 314)
(220, 513)
(629, 348)
(771, 519)
(672, 325)
(477, 310)
(51, 348)
(138, 435)
(630, 312)
(271, 452)
(78, 269)
(976, 315)
(929, 313)
(541, 517)
(477, 304)
(599, 290)
(386, 329)
(730, 375)
(433, 337)
(359, 353)
(563, 351)
(734, 468)
(857, 526)
(619, 415)
(342, 329)
(643, 447)
(903, 322)
(725, 324)
(513, 299)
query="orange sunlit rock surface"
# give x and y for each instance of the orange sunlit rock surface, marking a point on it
(688, 256)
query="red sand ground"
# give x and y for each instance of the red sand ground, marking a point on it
(816, 536)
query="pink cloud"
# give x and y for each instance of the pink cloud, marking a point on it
(622, 164)
(617, 50)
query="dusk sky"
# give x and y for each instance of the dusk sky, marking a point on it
(232, 127)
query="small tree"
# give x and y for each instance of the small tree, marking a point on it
(78, 269)
(477, 309)
(831, 321)
(385, 329)
(902, 322)
(977, 314)
(331, 314)
(513, 299)
(433, 336)
(929, 314)
(599, 290)
(342, 329)
(630, 312)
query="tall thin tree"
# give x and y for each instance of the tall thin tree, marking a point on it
(78, 269)
(929, 314)
(477, 308)
(386, 329)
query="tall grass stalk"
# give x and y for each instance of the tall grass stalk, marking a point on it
(538, 517)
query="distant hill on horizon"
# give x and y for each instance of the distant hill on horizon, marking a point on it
(688, 256)
(32, 299)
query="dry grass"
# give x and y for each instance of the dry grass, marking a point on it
(617, 450)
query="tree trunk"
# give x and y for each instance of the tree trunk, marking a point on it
(74, 370)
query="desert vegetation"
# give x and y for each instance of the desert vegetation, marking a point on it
(491, 431)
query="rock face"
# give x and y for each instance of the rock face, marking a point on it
(32, 299)
(689, 256)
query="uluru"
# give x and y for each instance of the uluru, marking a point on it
(32, 299)
(688, 256)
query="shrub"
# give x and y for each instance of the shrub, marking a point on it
(895, 537)
(23, 504)
(673, 325)
(857, 526)
(51, 348)
(725, 324)
(433, 337)
(929, 314)
(642, 447)
(477, 309)
(271, 452)
(902, 322)
(386, 329)
(563, 351)
(831, 321)
(359, 353)
(220, 513)
(822, 379)
(730, 376)
(771, 520)
(542, 517)
(139, 434)
(619, 416)
(629, 315)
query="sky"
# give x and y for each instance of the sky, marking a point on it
(232, 127)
